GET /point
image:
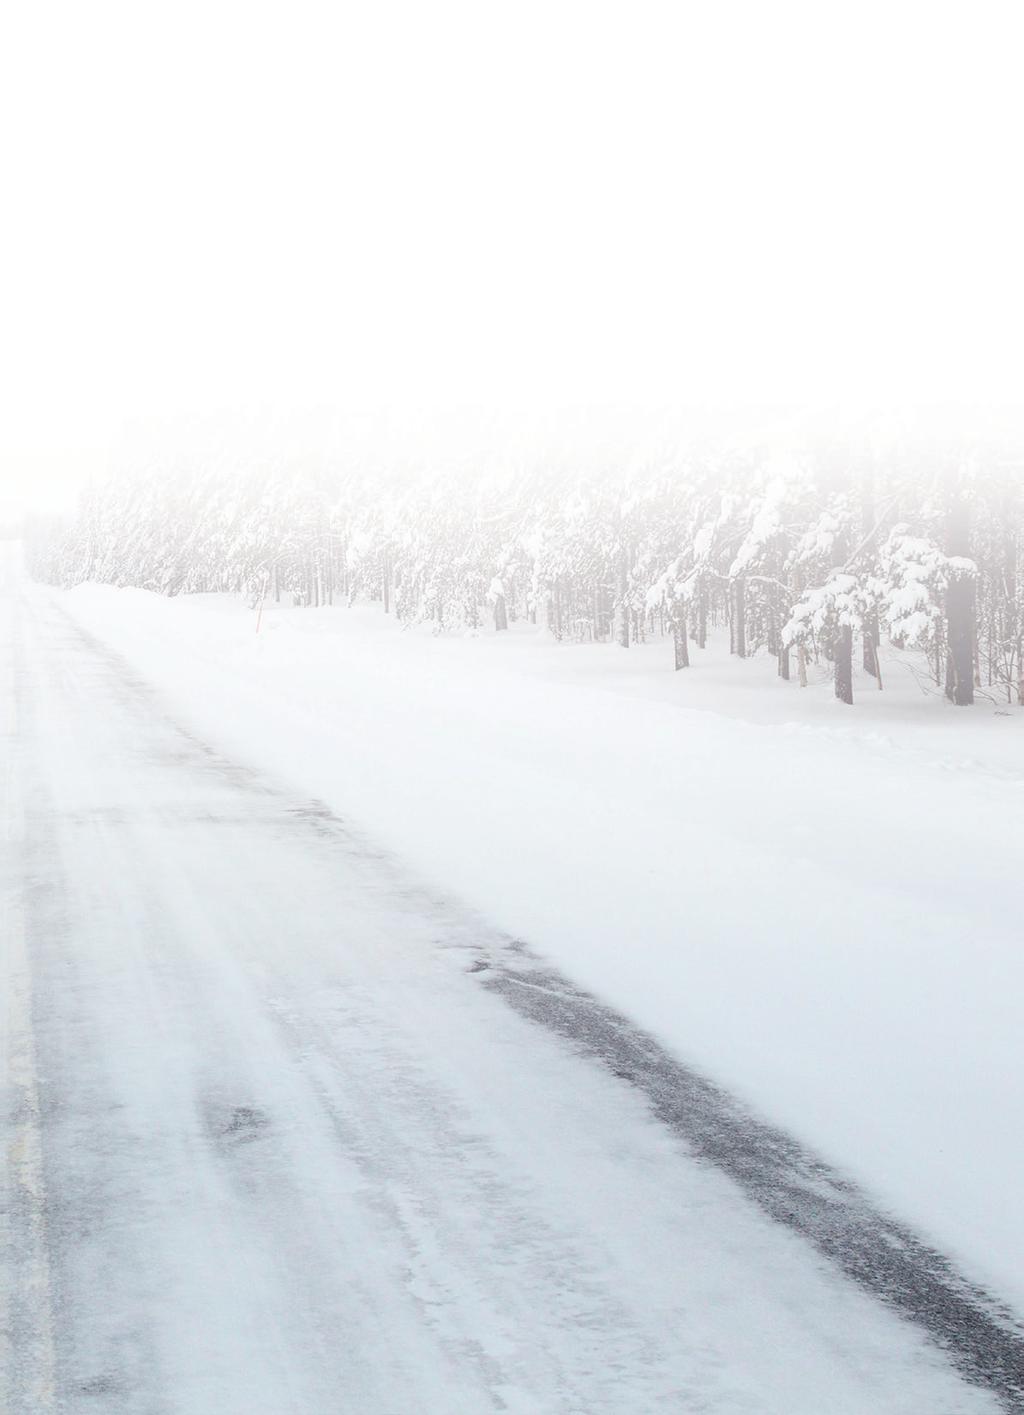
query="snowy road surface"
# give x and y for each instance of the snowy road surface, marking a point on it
(276, 1146)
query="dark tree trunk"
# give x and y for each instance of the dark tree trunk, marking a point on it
(739, 619)
(960, 632)
(870, 645)
(773, 628)
(679, 637)
(960, 628)
(841, 647)
(500, 612)
(843, 650)
(784, 662)
(623, 635)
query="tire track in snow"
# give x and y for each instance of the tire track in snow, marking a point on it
(794, 1187)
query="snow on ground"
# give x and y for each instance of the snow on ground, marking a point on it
(308, 1160)
(820, 906)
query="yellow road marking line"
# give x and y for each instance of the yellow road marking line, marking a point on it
(31, 1378)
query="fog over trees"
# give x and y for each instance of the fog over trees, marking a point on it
(820, 554)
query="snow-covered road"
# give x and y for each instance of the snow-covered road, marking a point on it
(277, 1145)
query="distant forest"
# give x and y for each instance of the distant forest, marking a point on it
(809, 556)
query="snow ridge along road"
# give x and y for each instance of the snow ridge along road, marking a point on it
(297, 1153)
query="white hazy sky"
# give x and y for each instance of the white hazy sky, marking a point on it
(273, 206)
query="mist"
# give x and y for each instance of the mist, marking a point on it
(511, 710)
(235, 212)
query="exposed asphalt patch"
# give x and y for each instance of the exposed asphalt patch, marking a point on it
(231, 1126)
(982, 1338)
(102, 1386)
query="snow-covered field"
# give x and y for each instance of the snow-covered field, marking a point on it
(819, 906)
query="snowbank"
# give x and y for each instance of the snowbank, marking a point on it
(820, 906)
